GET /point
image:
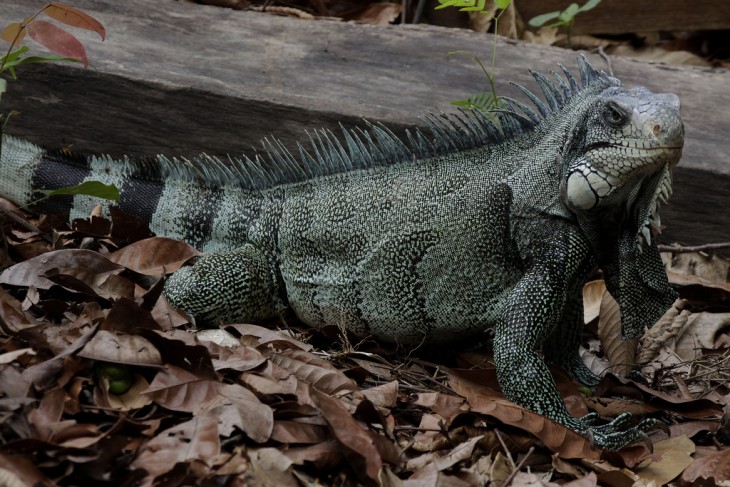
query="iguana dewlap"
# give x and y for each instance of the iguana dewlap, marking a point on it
(489, 220)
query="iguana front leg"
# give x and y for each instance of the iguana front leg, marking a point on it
(563, 344)
(532, 314)
(226, 287)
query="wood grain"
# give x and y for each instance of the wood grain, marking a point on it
(180, 78)
(625, 16)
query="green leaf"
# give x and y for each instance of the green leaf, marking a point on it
(463, 5)
(569, 13)
(483, 101)
(12, 57)
(40, 59)
(3, 87)
(503, 4)
(446, 3)
(89, 188)
(590, 4)
(539, 20)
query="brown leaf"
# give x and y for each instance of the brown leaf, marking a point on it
(610, 406)
(314, 370)
(46, 418)
(14, 34)
(154, 256)
(593, 292)
(323, 456)
(359, 449)
(167, 316)
(676, 455)
(196, 439)
(269, 385)
(177, 389)
(106, 286)
(379, 370)
(288, 432)
(79, 436)
(13, 317)
(73, 17)
(217, 339)
(10, 357)
(269, 466)
(30, 272)
(383, 395)
(621, 353)
(240, 358)
(445, 405)
(703, 288)
(130, 400)
(19, 471)
(176, 351)
(264, 335)
(715, 466)
(487, 401)
(57, 40)
(236, 406)
(691, 428)
(692, 408)
(442, 461)
(379, 13)
(123, 349)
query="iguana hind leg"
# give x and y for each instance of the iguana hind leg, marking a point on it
(226, 287)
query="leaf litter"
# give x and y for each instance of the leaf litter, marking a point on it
(102, 381)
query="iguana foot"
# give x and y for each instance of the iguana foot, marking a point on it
(614, 435)
(225, 287)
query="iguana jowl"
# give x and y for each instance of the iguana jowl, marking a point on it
(475, 225)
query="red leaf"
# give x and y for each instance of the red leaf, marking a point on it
(57, 40)
(73, 17)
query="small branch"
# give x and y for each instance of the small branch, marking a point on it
(25, 224)
(606, 58)
(679, 249)
(511, 477)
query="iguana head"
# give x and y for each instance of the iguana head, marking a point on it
(616, 169)
(621, 161)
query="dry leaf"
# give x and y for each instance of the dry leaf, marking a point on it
(124, 349)
(715, 467)
(487, 401)
(154, 256)
(676, 455)
(621, 353)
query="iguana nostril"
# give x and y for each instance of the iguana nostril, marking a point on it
(657, 129)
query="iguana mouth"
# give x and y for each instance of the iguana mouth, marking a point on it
(606, 145)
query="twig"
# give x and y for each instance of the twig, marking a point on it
(508, 454)
(680, 249)
(606, 58)
(511, 476)
(26, 224)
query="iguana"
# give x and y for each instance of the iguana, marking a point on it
(491, 219)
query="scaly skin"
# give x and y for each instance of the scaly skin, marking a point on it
(473, 227)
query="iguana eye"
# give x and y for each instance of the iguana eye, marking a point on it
(614, 115)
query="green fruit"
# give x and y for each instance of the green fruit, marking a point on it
(120, 377)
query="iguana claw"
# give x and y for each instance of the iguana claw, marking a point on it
(614, 435)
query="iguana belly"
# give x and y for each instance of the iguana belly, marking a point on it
(429, 265)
